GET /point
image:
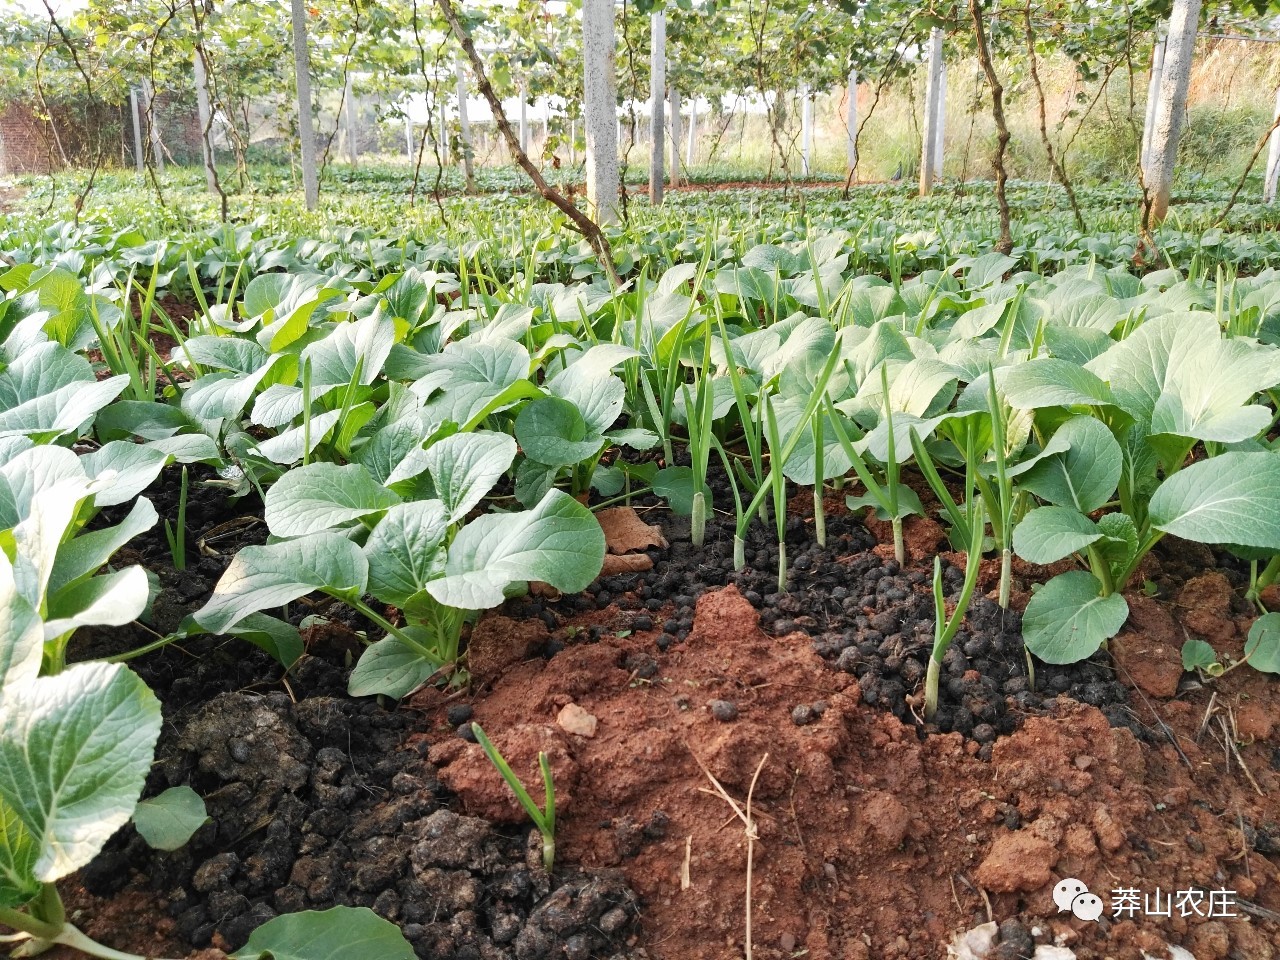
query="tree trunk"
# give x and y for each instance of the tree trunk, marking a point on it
(673, 108)
(153, 125)
(1172, 105)
(204, 112)
(657, 104)
(464, 127)
(139, 160)
(851, 122)
(932, 91)
(1005, 243)
(1153, 95)
(302, 76)
(600, 109)
(1273, 157)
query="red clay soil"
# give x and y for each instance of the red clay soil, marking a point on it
(873, 843)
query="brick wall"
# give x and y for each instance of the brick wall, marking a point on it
(28, 143)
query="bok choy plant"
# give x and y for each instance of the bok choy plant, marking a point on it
(347, 535)
(1172, 383)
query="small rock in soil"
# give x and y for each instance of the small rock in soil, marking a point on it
(573, 719)
(726, 711)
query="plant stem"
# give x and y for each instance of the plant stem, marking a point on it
(1006, 575)
(899, 548)
(739, 552)
(698, 525)
(782, 566)
(931, 678)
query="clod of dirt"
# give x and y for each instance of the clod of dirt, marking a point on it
(1205, 607)
(884, 817)
(1017, 863)
(497, 642)
(1149, 652)
(240, 737)
(467, 771)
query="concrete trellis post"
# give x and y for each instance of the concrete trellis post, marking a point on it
(408, 138)
(657, 103)
(806, 131)
(1273, 159)
(464, 126)
(524, 117)
(673, 108)
(600, 109)
(940, 121)
(204, 111)
(349, 103)
(932, 91)
(691, 150)
(139, 160)
(302, 76)
(1153, 95)
(851, 121)
(1175, 78)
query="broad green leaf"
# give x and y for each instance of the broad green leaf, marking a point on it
(322, 496)
(291, 445)
(391, 668)
(1068, 619)
(1232, 498)
(552, 431)
(264, 577)
(1178, 374)
(675, 485)
(168, 821)
(75, 750)
(467, 377)
(1198, 655)
(110, 600)
(598, 399)
(123, 470)
(224, 353)
(1085, 475)
(366, 342)
(908, 504)
(558, 542)
(1120, 547)
(339, 933)
(1050, 382)
(465, 466)
(404, 550)
(18, 854)
(21, 634)
(1263, 646)
(281, 641)
(1048, 534)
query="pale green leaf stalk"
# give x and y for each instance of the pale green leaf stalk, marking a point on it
(544, 820)
(944, 627)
